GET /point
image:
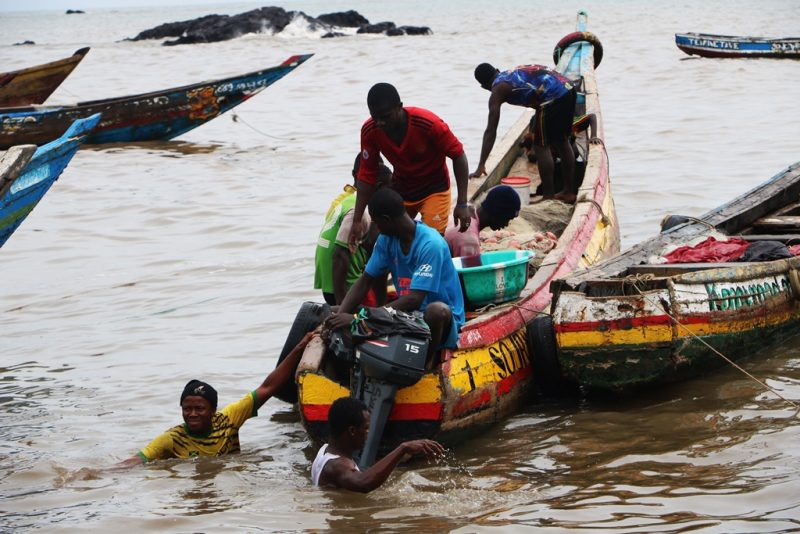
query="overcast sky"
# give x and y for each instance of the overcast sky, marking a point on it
(63, 5)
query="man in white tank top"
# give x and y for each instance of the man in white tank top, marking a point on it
(349, 424)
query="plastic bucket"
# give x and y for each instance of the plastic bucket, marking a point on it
(499, 277)
(520, 184)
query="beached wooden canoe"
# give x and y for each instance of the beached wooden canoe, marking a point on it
(27, 172)
(34, 84)
(630, 322)
(708, 45)
(157, 115)
(490, 375)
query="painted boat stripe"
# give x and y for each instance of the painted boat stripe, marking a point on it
(400, 412)
(697, 325)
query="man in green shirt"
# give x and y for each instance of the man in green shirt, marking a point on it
(336, 268)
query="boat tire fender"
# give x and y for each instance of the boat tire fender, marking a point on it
(541, 339)
(310, 315)
(575, 37)
(794, 280)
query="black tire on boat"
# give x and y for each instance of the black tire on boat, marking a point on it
(670, 221)
(541, 338)
(575, 37)
(310, 315)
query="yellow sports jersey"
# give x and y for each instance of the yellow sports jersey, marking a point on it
(223, 438)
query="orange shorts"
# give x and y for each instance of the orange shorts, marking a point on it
(435, 210)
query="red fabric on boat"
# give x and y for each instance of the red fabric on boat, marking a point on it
(794, 250)
(708, 251)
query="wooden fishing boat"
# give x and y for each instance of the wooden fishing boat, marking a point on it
(34, 84)
(27, 172)
(490, 374)
(708, 45)
(629, 323)
(157, 115)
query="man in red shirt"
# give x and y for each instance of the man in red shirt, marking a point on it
(416, 143)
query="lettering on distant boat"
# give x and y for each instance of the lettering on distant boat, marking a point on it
(714, 43)
(728, 297)
(786, 46)
(243, 86)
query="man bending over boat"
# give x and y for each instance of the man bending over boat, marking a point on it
(500, 205)
(416, 142)
(349, 424)
(553, 98)
(422, 272)
(206, 431)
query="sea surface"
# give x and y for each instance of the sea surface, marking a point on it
(147, 265)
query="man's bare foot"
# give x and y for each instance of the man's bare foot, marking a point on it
(568, 198)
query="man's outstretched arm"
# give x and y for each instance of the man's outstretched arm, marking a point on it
(282, 373)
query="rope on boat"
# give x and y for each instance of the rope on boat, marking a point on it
(235, 117)
(639, 278)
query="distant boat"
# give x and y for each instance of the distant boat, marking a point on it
(708, 45)
(27, 172)
(158, 115)
(34, 84)
(631, 323)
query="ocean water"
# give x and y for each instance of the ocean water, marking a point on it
(150, 264)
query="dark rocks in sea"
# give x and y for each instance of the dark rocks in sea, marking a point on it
(26, 42)
(75, 12)
(213, 28)
(345, 19)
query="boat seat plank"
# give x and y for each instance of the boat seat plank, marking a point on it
(778, 222)
(783, 238)
(671, 269)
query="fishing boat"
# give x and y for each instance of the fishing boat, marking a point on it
(490, 374)
(158, 115)
(634, 321)
(708, 45)
(27, 172)
(33, 85)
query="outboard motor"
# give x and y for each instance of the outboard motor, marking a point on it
(382, 365)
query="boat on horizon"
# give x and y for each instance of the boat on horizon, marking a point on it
(28, 172)
(491, 374)
(634, 322)
(33, 85)
(722, 46)
(158, 115)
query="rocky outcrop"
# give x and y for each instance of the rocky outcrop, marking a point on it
(213, 28)
(75, 12)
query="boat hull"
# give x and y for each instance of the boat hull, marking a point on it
(35, 84)
(491, 373)
(725, 46)
(24, 187)
(154, 116)
(656, 336)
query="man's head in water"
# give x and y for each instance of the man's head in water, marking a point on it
(349, 423)
(198, 404)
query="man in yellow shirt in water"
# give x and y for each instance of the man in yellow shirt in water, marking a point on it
(208, 432)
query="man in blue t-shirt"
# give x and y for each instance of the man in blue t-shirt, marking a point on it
(422, 270)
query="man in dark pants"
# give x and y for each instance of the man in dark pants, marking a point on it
(553, 98)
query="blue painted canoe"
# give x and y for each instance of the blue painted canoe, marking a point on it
(157, 115)
(708, 45)
(27, 172)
